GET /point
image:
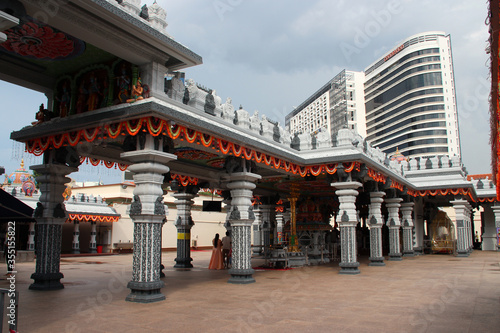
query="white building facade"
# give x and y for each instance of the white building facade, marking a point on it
(410, 98)
(338, 104)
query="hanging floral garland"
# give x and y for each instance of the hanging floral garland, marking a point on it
(156, 126)
(185, 180)
(90, 217)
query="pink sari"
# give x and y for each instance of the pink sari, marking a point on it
(216, 259)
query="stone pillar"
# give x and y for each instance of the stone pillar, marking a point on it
(418, 226)
(376, 222)
(242, 216)
(31, 237)
(460, 207)
(496, 212)
(470, 235)
(279, 227)
(266, 228)
(50, 216)
(257, 232)
(227, 224)
(75, 246)
(147, 211)
(407, 213)
(184, 223)
(93, 237)
(346, 192)
(394, 224)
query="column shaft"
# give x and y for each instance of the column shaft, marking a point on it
(93, 237)
(241, 185)
(460, 207)
(394, 224)
(257, 232)
(376, 221)
(184, 224)
(147, 211)
(407, 213)
(31, 237)
(346, 192)
(50, 216)
(75, 246)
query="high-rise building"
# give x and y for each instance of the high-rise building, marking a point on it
(410, 98)
(337, 104)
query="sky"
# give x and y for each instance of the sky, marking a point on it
(271, 55)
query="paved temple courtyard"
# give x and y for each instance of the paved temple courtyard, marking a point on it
(431, 293)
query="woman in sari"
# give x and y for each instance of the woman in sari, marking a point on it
(216, 259)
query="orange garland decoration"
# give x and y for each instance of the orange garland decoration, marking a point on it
(94, 218)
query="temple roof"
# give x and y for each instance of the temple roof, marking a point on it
(37, 52)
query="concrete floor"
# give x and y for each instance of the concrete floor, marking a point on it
(431, 293)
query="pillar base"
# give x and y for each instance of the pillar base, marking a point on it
(296, 259)
(241, 276)
(376, 261)
(462, 254)
(145, 292)
(92, 250)
(75, 251)
(349, 268)
(46, 281)
(409, 254)
(183, 263)
(395, 257)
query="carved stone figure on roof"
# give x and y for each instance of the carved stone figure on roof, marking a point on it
(242, 119)
(285, 136)
(209, 103)
(217, 99)
(323, 139)
(266, 128)
(192, 88)
(255, 122)
(227, 110)
(176, 89)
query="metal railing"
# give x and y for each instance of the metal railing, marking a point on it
(12, 309)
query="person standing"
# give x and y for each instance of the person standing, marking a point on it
(216, 259)
(226, 247)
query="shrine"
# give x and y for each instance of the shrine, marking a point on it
(116, 96)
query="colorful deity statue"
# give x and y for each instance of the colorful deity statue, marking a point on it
(124, 85)
(82, 97)
(64, 101)
(136, 93)
(94, 92)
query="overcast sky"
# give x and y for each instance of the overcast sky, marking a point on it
(271, 55)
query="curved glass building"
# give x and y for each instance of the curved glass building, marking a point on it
(410, 98)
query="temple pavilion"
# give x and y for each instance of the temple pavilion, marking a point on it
(116, 96)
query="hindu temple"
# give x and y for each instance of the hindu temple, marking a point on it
(116, 95)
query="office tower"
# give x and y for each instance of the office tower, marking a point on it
(410, 98)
